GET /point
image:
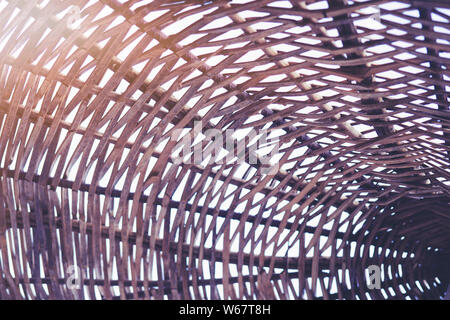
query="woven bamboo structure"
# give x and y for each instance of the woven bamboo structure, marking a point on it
(355, 94)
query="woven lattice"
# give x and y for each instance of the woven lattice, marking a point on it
(97, 95)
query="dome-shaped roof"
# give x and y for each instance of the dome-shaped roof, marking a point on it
(224, 149)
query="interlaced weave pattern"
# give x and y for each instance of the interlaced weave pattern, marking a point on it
(355, 94)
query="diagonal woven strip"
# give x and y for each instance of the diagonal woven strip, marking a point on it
(98, 202)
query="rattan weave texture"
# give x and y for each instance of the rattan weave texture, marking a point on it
(355, 94)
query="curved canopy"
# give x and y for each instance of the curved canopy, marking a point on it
(224, 149)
